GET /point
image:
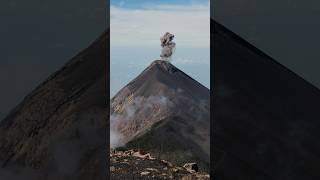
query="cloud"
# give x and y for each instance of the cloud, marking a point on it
(191, 61)
(139, 107)
(145, 26)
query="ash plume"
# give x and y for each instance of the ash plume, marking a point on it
(168, 46)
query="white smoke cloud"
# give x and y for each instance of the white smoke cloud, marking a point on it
(115, 138)
(140, 104)
(168, 46)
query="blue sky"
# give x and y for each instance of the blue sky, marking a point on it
(135, 4)
(136, 28)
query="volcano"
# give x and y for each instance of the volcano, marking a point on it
(166, 112)
(265, 117)
(59, 130)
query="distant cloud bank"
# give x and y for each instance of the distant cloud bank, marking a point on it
(144, 26)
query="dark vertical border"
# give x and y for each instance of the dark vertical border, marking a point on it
(211, 93)
(108, 89)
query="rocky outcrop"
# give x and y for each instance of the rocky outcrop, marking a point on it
(132, 164)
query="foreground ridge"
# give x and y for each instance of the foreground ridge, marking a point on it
(135, 164)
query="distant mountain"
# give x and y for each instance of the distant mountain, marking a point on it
(166, 112)
(59, 130)
(266, 118)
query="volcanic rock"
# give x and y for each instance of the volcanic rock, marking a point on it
(139, 168)
(191, 167)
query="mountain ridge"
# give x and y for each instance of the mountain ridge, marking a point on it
(265, 116)
(216, 25)
(59, 123)
(166, 103)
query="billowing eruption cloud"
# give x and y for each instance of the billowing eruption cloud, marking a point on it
(168, 46)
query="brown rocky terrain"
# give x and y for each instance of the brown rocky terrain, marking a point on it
(133, 164)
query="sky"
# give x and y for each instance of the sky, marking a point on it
(287, 30)
(38, 37)
(136, 28)
(140, 4)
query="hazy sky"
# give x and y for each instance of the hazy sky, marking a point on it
(144, 24)
(287, 30)
(38, 37)
(136, 29)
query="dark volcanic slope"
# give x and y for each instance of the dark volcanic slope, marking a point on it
(164, 111)
(59, 130)
(266, 118)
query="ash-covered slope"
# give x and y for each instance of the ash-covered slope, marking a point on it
(266, 119)
(164, 111)
(59, 130)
